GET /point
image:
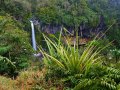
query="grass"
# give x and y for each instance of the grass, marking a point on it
(25, 81)
(29, 79)
(7, 83)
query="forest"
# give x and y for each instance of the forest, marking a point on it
(59, 44)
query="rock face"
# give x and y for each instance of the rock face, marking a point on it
(50, 29)
(84, 30)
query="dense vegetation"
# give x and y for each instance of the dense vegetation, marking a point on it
(14, 45)
(62, 66)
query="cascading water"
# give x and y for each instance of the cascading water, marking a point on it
(33, 36)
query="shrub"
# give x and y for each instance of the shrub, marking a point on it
(100, 78)
(6, 66)
(14, 42)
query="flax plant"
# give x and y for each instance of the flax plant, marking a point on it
(69, 58)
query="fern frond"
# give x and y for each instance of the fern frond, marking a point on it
(113, 70)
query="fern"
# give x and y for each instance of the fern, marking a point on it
(6, 66)
(113, 70)
(6, 60)
(109, 79)
(4, 50)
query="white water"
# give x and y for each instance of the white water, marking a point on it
(33, 36)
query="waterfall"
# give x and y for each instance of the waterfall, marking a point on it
(33, 36)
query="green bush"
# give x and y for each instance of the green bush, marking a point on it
(100, 78)
(14, 42)
(6, 66)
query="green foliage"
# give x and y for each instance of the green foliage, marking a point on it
(4, 50)
(105, 7)
(6, 66)
(68, 13)
(100, 78)
(79, 70)
(69, 59)
(14, 42)
(20, 10)
(114, 35)
(115, 54)
(48, 15)
(66, 63)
